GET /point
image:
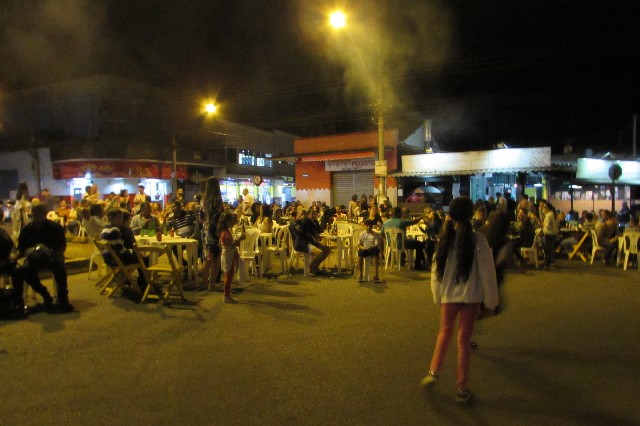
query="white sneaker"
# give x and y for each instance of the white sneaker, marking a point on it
(429, 380)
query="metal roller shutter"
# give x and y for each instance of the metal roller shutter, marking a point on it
(345, 184)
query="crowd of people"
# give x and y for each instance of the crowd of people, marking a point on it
(456, 245)
(507, 225)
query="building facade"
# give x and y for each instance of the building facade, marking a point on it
(119, 133)
(334, 168)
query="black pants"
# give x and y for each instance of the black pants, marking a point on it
(419, 247)
(549, 247)
(30, 275)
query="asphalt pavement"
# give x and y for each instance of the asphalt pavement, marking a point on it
(328, 350)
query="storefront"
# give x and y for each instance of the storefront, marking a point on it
(332, 169)
(279, 190)
(489, 172)
(116, 175)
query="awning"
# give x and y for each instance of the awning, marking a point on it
(338, 156)
(462, 172)
(475, 162)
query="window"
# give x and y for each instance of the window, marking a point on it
(251, 158)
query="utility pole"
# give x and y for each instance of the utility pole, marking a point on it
(174, 166)
(381, 164)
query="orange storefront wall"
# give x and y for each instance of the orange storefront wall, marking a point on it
(312, 175)
(348, 142)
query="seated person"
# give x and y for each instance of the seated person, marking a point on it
(145, 220)
(369, 246)
(183, 222)
(113, 234)
(95, 222)
(340, 213)
(74, 218)
(385, 207)
(305, 233)
(587, 224)
(607, 234)
(63, 211)
(374, 215)
(633, 225)
(432, 228)
(7, 263)
(396, 221)
(47, 239)
(264, 221)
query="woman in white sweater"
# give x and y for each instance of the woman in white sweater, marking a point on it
(462, 277)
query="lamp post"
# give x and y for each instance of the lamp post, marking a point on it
(208, 109)
(338, 20)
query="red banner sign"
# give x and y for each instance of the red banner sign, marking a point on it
(116, 169)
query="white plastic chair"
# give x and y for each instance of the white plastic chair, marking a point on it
(395, 246)
(533, 253)
(96, 259)
(249, 251)
(595, 247)
(279, 248)
(295, 256)
(630, 247)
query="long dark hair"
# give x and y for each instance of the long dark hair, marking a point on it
(462, 240)
(225, 221)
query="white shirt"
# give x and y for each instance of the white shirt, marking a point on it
(481, 286)
(369, 239)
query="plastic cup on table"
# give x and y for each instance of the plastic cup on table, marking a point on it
(159, 236)
(172, 233)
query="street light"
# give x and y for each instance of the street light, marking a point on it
(208, 108)
(338, 20)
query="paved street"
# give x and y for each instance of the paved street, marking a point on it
(302, 350)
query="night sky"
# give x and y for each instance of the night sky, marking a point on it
(530, 73)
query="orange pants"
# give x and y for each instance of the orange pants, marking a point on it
(448, 312)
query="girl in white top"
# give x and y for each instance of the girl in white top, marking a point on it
(462, 277)
(264, 221)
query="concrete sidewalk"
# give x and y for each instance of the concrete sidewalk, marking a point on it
(302, 350)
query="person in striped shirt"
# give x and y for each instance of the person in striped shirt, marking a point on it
(183, 222)
(113, 234)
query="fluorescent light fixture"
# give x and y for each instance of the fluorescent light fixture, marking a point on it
(537, 185)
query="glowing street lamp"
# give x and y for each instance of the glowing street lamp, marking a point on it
(208, 108)
(338, 19)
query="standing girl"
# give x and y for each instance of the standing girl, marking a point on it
(230, 256)
(462, 277)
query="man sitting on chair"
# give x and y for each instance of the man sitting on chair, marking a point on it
(42, 243)
(396, 221)
(305, 232)
(112, 233)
